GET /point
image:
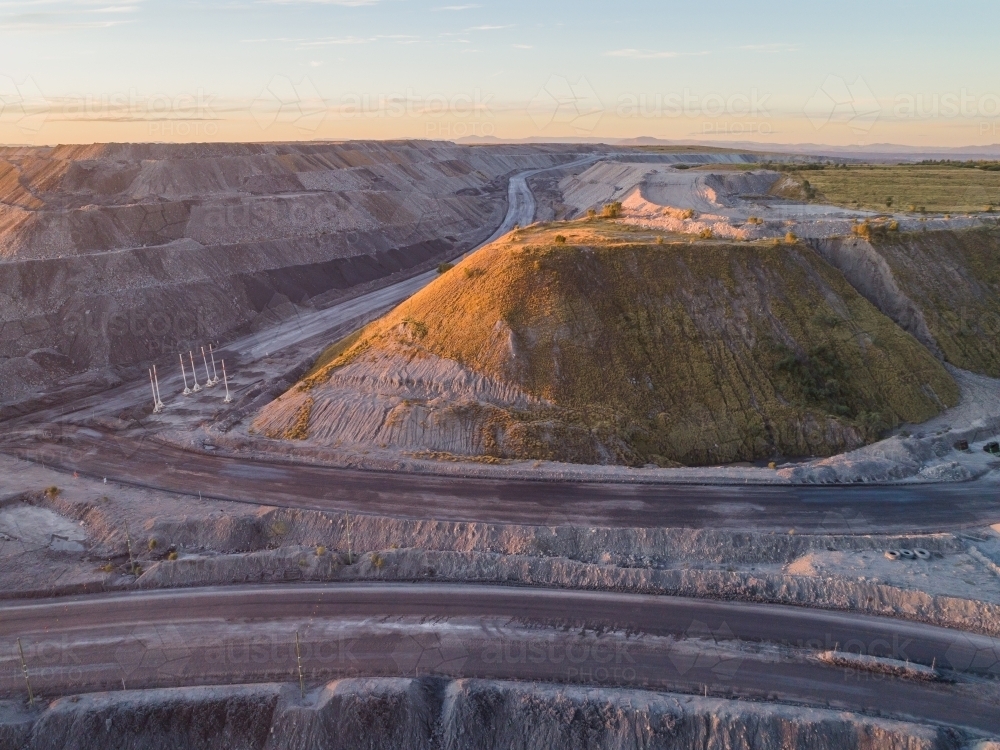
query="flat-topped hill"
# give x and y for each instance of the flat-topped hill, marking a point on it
(598, 343)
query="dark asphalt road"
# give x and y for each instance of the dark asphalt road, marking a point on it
(842, 509)
(246, 634)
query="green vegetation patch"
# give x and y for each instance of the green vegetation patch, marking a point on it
(932, 188)
(687, 352)
(954, 278)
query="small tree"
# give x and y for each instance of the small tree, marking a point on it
(790, 238)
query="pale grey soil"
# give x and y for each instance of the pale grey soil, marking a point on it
(218, 543)
(437, 713)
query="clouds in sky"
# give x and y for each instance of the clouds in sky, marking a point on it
(648, 54)
(65, 15)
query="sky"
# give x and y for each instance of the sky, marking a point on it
(846, 73)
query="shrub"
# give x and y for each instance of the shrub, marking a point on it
(705, 234)
(107, 568)
(378, 562)
(299, 429)
(678, 213)
(755, 220)
(659, 240)
(819, 375)
(862, 230)
(153, 544)
(417, 327)
(52, 492)
(612, 210)
(591, 213)
(888, 202)
(320, 550)
(445, 267)
(172, 555)
(473, 273)
(790, 238)
(560, 239)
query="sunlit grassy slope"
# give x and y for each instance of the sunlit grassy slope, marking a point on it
(676, 352)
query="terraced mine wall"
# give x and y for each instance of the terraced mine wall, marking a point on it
(448, 714)
(112, 255)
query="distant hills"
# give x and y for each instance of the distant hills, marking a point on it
(874, 151)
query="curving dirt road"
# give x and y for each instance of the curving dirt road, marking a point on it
(247, 634)
(889, 509)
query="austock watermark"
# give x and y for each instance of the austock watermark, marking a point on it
(184, 114)
(734, 114)
(23, 104)
(160, 332)
(574, 659)
(568, 103)
(287, 102)
(445, 116)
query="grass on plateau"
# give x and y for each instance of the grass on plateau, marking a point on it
(914, 188)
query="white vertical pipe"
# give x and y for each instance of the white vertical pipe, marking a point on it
(215, 373)
(184, 375)
(194, 373)
(156, 382)
(208, 375)
(156, 404)
(228, 399)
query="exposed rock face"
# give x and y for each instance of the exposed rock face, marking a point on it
(603, 346)
(437, 713)
(942, 286)
(116, 254)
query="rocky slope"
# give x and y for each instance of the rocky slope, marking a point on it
(941, 286)
(593, 342)
(116, 254)
(447, 714)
